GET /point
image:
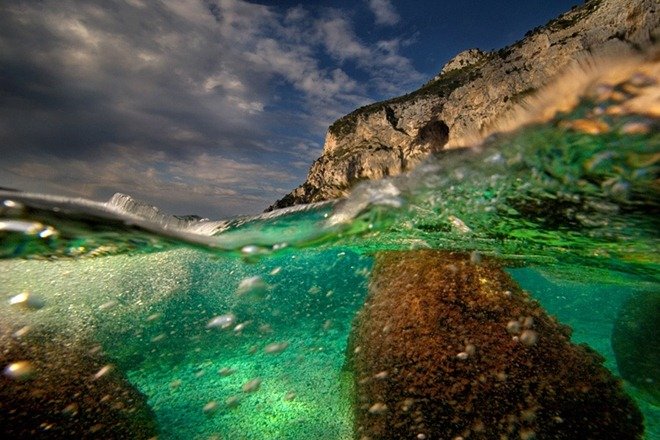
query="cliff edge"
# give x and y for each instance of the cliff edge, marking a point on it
(471, 91)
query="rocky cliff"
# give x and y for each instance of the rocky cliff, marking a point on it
(471, 91)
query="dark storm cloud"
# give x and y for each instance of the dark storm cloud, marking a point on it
(165, 99)
(79, 77)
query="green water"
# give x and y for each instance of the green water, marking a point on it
(573, 216)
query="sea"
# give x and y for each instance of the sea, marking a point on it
(238, 328)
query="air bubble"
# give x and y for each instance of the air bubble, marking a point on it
(232, 401)
(252, 385)
(265, 328)
(21, 226)
(252, 252)
(21, 370)
(103, 372)
(28, 300)
(378, 408)
(70, 410)
(48, 232)
(382, 375)
(276, 347)
(529, 337)
(513, 327)
(275, 271)
(252, 288)
(22, 331)
(240, 327)
(108, 305)
(154, 317)
(222, 321)
(12, 204)
(226, 371)
(210, 408)
(635, 128)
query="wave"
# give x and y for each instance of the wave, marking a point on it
(125, 220)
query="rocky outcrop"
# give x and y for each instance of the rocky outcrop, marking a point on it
(463, 59)
(447, 346)
(473, 90)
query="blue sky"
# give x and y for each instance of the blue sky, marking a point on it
(213, 107)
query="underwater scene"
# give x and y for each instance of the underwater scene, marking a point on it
(507, 291)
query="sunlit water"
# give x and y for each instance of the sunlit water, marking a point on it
(238, 329)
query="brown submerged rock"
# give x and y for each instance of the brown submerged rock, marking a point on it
(51, 388)
(449, 347)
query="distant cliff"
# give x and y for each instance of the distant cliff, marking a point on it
(472, 90)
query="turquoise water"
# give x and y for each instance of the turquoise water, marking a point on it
(238, 329)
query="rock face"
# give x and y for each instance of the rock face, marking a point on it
(473, 89)
(449, 347)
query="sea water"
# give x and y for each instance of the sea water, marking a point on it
(238, 329)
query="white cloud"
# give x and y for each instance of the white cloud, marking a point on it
(204, 82)
(340, 39)
(384, 12)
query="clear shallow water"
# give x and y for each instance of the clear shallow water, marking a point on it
(238, 329)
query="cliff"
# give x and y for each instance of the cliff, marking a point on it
(472, 90)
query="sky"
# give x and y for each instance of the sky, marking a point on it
(213, 107)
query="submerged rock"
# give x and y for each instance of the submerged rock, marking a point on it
(468, 354)
(52, 388)
(635, 342)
